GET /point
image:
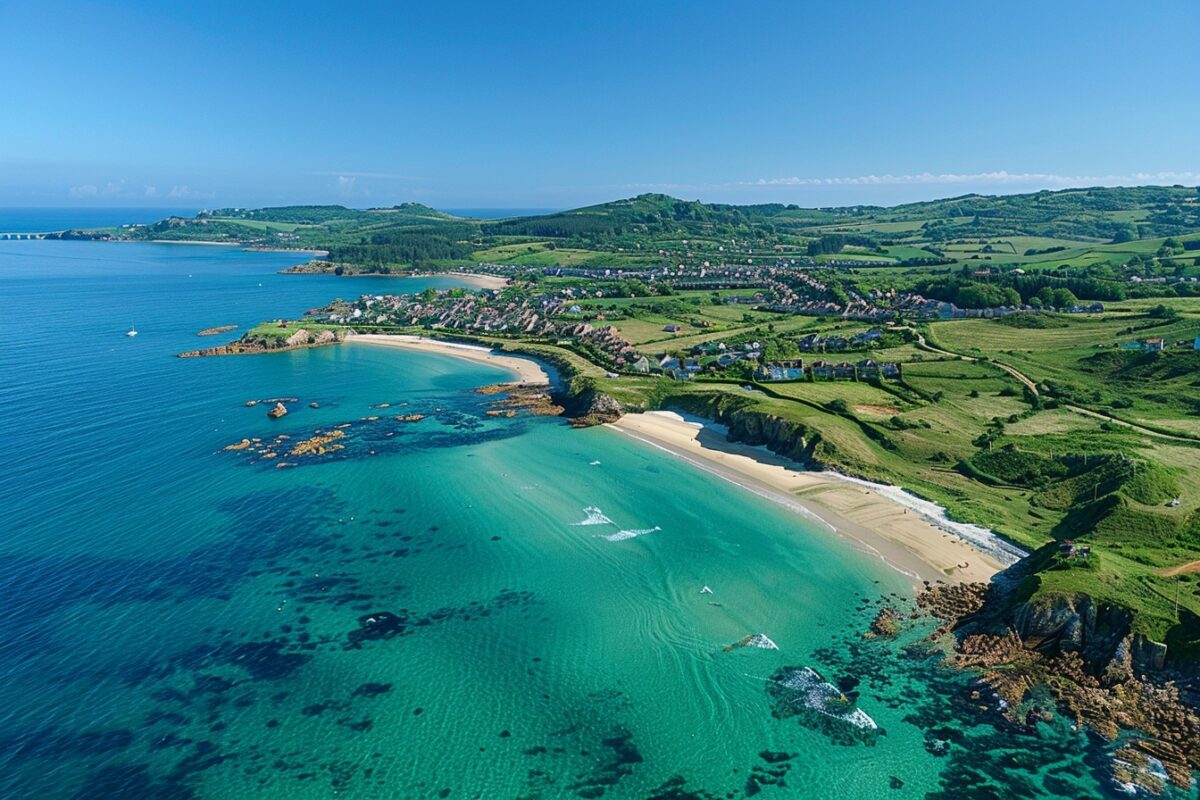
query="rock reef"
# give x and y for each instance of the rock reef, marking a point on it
(1097, 672)
(218, 329)
(514, 398)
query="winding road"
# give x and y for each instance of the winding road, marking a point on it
(1032, 386)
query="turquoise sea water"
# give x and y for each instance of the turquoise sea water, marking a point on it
(419, 614)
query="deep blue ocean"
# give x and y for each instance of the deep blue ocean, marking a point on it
(422, 612)
(47, 220)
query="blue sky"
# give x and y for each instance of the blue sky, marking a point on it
(522, 104)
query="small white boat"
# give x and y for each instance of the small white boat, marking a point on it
(131, 332)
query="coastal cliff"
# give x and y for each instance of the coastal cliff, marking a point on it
(1101, 634)
(746, 424)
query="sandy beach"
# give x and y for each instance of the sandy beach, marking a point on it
(528, 370)
(480, 281)
(474, 280)
(909, 539)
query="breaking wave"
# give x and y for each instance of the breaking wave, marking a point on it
(621, 536)
(594, 517)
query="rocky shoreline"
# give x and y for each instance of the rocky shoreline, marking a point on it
(515, 398)
(1095, 676)
(250, 345)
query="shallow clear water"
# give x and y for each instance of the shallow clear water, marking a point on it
(419, 614)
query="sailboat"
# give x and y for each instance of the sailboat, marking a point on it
(131, 332)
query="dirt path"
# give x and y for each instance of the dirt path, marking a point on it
(1029, 383)
(1191, 566)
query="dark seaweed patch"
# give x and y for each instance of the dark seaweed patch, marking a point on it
(383, 625)
(283, 522)
(772, 773)
(676, 789)
(612, 766)
(372, 690)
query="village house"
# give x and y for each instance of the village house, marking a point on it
(870, 369)
(785, 370)
(821, 370)
(1147, 344)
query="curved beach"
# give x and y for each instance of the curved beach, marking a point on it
(528, 370)
(906, 538)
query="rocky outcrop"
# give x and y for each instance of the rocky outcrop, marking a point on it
(218, 329)
(1100, 634)
(518, 397)
(886, 623)
(249, 345)
(318, 444)
(1098, 672)
(592, 407)
(278, 411)
(320, 266)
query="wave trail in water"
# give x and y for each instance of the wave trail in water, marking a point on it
(621, 536)
(594, 517)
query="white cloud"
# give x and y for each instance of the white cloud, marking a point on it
(185, 192)
(1001, 178)
(382, 175)
(151, 191)
(87, 191)
(346, 187)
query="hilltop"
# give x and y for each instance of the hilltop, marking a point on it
(1081, 229)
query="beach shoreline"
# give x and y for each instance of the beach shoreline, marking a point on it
(478, 280)
(529, 372)
(473, 280)
(905, 536)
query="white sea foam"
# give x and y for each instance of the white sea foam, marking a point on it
(593, 463)
(980, 537)
(594, 517)
(621, 536)
(818, 694)
(762, 641)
